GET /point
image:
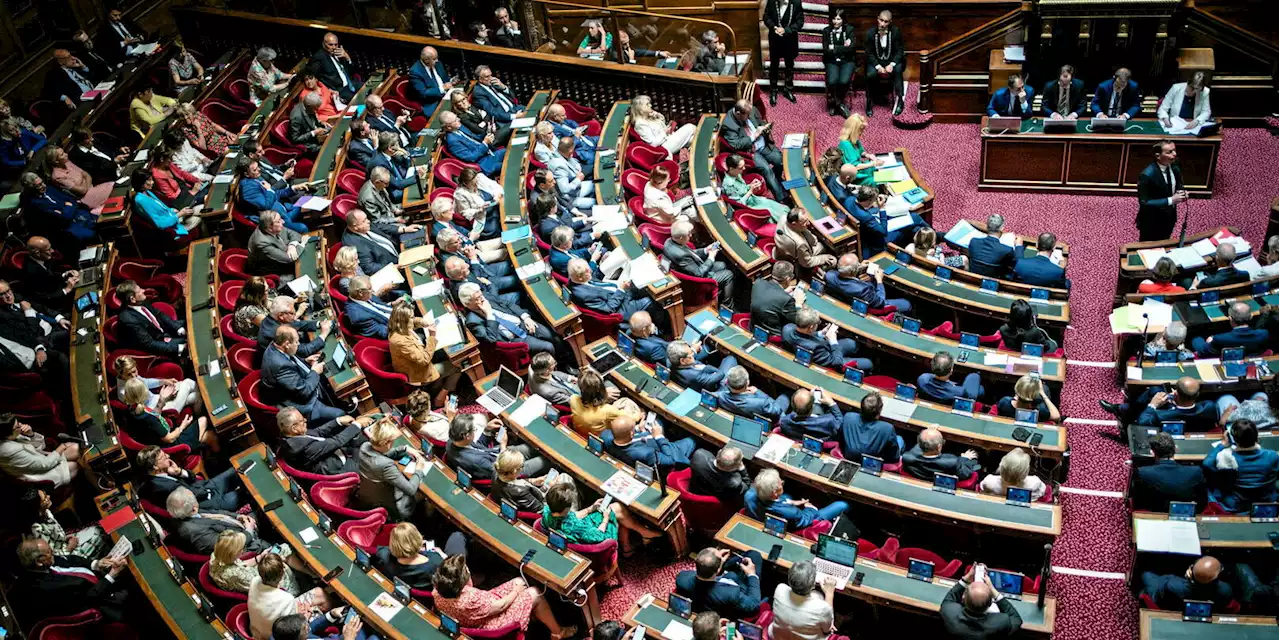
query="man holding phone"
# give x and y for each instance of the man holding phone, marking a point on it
(723, 582)
(965, 614)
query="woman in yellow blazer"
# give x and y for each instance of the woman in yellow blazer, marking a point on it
(411, 357)
(592, 411)
(149, 108)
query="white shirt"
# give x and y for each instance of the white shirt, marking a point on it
(266, 605)
(800, 617)
(24, 354)
(337, 64)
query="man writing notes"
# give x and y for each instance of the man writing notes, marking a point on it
(1186, 104)
(1117, 97)
(1063, 99)
(1160, 190)
(1013, 101)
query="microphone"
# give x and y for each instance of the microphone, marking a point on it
(1145, 326)
(1044, 576)
(66, 437)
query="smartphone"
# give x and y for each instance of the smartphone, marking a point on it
(979, 572)
(452, 402)
(604, 504)
(272, 506)
(857, 579)
(775, 552)
(528, 555)
(332, 575)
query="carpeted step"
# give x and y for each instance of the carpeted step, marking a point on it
(813, 63)
(806, 81)
(911, 118)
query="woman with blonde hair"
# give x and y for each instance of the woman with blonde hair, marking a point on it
(231, 572)
(592, 410)
(653, 128)
(544, 142)
(148, 426)
(658, 203)
(477, 205)
(1029, 393)
(527, 494)
(165, 394)
(854, 153)
(1014, 471)
(405, 558)
(414, 358)
(382, 483)
(61, 171)
(925, 245)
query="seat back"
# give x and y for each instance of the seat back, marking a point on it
(634, 180)
(229, 333)
(599, 325)
(82, 625)
(207, 585)
(603, 555)
(656, 235)
(334, 291)
(238, 620)
(249, 387)
(307, 478)
(448, 169)
(757, 221)
(350, 181)
(224, 114)
(241, 357)
(697, 292)
(227, 293)
(941, 568)
(706, 513)
(334, 496)
(374, 357)
(233, 264)
(342, 204)
(577, 112)
(367, 533)
(644, 157)
(513, 631)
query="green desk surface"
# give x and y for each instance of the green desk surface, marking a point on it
(715, 427)
(714, 215)
(1192, 313)
(891, 336)
(1133, 127)
(152, 570)
(878, 577)
(657, 618)
(610, 137)
(85, 357)
(218, 192)
(1193, 447)
(1157, 374)
(326, 158)
(204, 323)
(1166, 625)
(769, 359)
(309, 264)
(806, 196)
(1054, 312)
(1224, 531)
(427, 139)
(291, 519)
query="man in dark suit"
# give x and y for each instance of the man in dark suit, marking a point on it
(744, 131)
(383, 119)
(474, 446)
(290, 381)
(332, 66)
(1063, 99)
(279, 177)
(825, 347)
(1160, 191)
(784, 19)
(562, 253)
(773, 298)
(744, 399)
(493, 320)
(505, 288)
(723, 584)
(1155, 485)
(1117, 97)
(119, 34)
(605, 297)
(163, 476)
(1183, 405)
(508, 33)
(86, 49)
(803, 421)
(197, 530)
(722, 475)
(52, 212)
(990, 257)
(864, 433)
(886, 59)
(467, 147)
(686, 370)
(701, 263)
(47, 282)
(1202, 581)
(305, 127)
(478, 122)
(429, 81)
(936, 384)
(1224, 270)
(376, 247)
(392, 157)
(363, 145)
(329, 449)
(855, 280)
(494, 97)
(366, 315)
(284, 313)
(1039, 270)
(545, 207)
(142, 327)
(631, 443)
(650, 346)
(52, 585)
(69, 78)
(1013, 101)
(26, 346)
(873, 220)
(1242, 334)
(101, 163)
(926, 459)
(965, 614)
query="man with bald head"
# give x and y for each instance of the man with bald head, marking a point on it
(631, 443)
(1224, 270)
(376, 245)
(465, 146)
(1182, 405)
(563, 127)
(428, 80)
(1201, 581)
(744, 131)
(382, 118)
(1254, 341)
(965, 610)
(650, 346)
(69, 78)
(332, 66)
(926, 459)
(43, 279)
(290, 381)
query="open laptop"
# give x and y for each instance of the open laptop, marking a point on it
(502, 395)
(1004, 123)
(747, 434)
(835, 559)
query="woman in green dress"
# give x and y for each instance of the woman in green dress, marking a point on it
(590, 525)
(851, 147)
(738, 189)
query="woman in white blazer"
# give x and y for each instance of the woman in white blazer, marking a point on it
(1186, 100)
(654, 129)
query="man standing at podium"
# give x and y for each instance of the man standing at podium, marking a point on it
(1160, 190)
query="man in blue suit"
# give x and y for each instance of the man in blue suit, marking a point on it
(398, 164)
(1013, 101)
(1183, 405)
(726, 585)
(1155, 485)
(1063, 99)
(744, 399)
(562, 252)
(1039, 270)
(363, 145)
(855, 280)
(864, 433)
(936, 384)
(376, 248)
(873, 221)
(843, 188)
(1254, 341)
(687, 371)
(1202, 581)
(826, 347)
(494, 97)
(1244, 474)
(1224, 270)
(283, 313)
(1117, 97)
(632, 443)
(468, 149)
(766, 497)
(258, 195)
(367, 316)
(290, 381)
(545, 207)
(605, 297)
(990, 257)
(428, 81)
(649, 345)
(44, 202)
(502, 287)
(802, 421)
(575, 188)
(496, 320)
(563, 127)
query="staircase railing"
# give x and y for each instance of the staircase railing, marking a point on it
(931, 61)
(1229, 34)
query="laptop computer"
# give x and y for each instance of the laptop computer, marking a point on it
(1059, 126)
(835, 559)
(1001, 123)
(747, 434)
(502, 395)
(1102, 123)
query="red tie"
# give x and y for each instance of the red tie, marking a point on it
(76, 572)
(150, 317)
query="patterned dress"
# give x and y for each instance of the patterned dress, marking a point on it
(581, 530)
(471, 607)
(262, 81)
(204, 135)
(90, 541)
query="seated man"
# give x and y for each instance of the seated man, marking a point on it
(557, 386)
(650, 347)
(744, 399)
(575, 189)
(722, 475)
(46, 281)
(474, 446)
(926, 459)
(864, 433)
(990, 257)
(1155, 485)
(551, 215)
(687, 371)
(1117, 97)
(273, 247)
(256, 194)
(384, 120)
(1224, 270)
(332, 66)
(1241, 475)
(562, 252)
(631, 443)
(826, 347)
(494, 97)
(873, 222)
(1039, 270)
(743, 130)
(30, 342)
(306, 129)
(50, 585)
(1173, 339)
(54, 212)
(967, 610)
(477, 121)
(722, 583)
(429, 82)
(774, 299)
(584, 145)
(1183, 405)
(496, 320)
(843, 184)
(366, 315)
(1202, 581)
(283, 312)
(1013, 101)
(329, 449)
(605, 297)
(163, 476)
(144, 328)
(936, 384)
(377, 247)
(363, 144)
(700, 263)
(1063, 99)
(796, 242)
(400, 168)
(802, 421)
(376, 201)
(196, 530)
(1242, 334)
(464, 145)
(856, 280)
(289, 381)
(766, 497)
(505, 288)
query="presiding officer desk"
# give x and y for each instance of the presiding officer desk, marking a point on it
(1221, 532)
(890, 491)
(218, 390)
(1168, 625)
(300, 526)
(87, 363)
(1096, 163)
(749, 260)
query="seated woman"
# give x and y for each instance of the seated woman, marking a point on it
(252, 306)
(187, 157)
(61, 171)
(1021, 329)
(18, 145)
(852, 151)
(1014, 471)
(173, 395)
(590, 525)
(1162, 278)
(1260, 408)
(346, 265)
(164, 217)
(766, 497)
(738, 189)
(433, 425)
(176, 187)
(264, 77)
(405, 557)
(1029, 393)
(592, 408)
(184, 69)
(510, 603)
(544, 142)
(147, 109)
(23, 456)
(653, 128)
(330, 106)
(256, 195)
(925, 245)
(477, 205)
(527, 494)
(382, 483)
(230, 572)
(203, 133)
(147, 426)
(415, 359)
(268, 600)
(597, 42)
(657, 201)
(35, 520)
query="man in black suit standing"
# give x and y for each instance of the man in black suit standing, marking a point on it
(1063, 99)
(785, 19)
(329, 449)
(332, 66)
(964, 610)
(163, 476)
(142, 327)
(63, 585)
(1160, 191)
(773, 303)
(886, 59)
(721, 475)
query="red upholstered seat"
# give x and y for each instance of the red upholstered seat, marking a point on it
(645, 157)
(448, 169)
(512, 355)
(180, 453)
(334, 292)
(229, 333)
(597, 325)
(367, 533)
(579, 113)
(513, 631)
(705, 513)
(227, 293)
(226, 115)
(698, 292)
(603, 555)
(941, 568)
(757, 221)
(308, 478)
(81, 626)
(350, 181)
(633, 180)
(233, 264)
(263, 414)
(334, 497)
(374, 359)
(238, 619)
(342, 204)
(656, 235)
(241, 357)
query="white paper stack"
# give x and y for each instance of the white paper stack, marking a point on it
(888, 160)
(1187, 257)
(608, 218)
(301, 285)
(1250, 265)
(448, 331)
(793, 141)
(1204, 247)
(963, 233)
(315, 203)
(898, 222)
(1009, 239)
(389, 274)
(534, 407)
(222, 179)
(1159, 313)
(775, 447)
(1150, 257)
(523, 123)
(1167, 536)
(705, 196)
(531, 270)
(427, 290)
(645, 270)
(896, 409)
(897, 206)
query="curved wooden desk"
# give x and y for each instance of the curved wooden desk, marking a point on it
(1168, 625)
(349, 381)
(88, 361)
(218, 391)
(748, 260)
(1220, 532)
(920, 282)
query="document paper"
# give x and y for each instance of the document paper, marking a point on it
(1167, 536)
